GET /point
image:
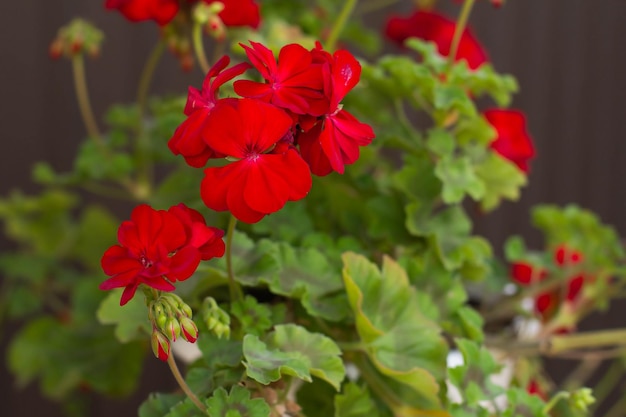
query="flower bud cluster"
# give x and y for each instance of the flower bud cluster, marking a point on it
(207, 15)
(76, 38)
(216, 319)
(581, 399)
(171, 318)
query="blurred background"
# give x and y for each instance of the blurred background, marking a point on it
(567, 55)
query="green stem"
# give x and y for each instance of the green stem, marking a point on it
(144, 165)
(198, 47)
(555, 400)
(609, 381)
(183, 385)
(370, 375)
(618, 408)
(345, 13)
(233, 286)
(562, 343)
(458, 31)
(82, 95)
(581, 373)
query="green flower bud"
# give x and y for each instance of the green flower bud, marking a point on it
(76, 38)
(160, 345)
(216, 319)
(172, 329)
(189, 330)
(581, 399)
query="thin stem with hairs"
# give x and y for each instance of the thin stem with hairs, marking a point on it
(198, 47)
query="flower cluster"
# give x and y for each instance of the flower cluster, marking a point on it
(548, 303)
(158, 248)
(234, 12)
(433, 27)
(512, 141)
(276, 133)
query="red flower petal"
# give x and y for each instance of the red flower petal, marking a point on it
(512, 141)
(183, 264)
(161, 11)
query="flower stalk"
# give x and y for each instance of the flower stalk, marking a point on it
(340, 23)
(82, 95)
(183, 385)
(459, 29)
(234, 288)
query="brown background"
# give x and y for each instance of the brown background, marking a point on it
(568, 56)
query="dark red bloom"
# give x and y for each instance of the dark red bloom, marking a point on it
(156, 249)
(293, 82)
(436, 28)
(235, 12)
(239, 12)
(512, 141)
(267, 171)
(334, 142)
(188, 137)
(161, 11)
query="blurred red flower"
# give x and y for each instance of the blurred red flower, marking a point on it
(512, 141)
(433, 27)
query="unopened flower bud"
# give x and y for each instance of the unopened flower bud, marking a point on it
(160, 345)
(215, 27)
(172, 329)
(188, 329)
(186, 310)
(75, 38)
(203, 11)
(216, 319)
(581, 399)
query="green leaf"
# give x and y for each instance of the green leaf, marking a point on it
(267, 365)
(441, 142)
(185, 408)
(95, 233)
(459, 178)
(355, 401)
(514, 248)
(321, 354)
(158, 405)
(219, 353)
(63, 357)
(131, 320)
(502, 180)
(302, 273)
(255, 318)
(293, 350)
(417, 179)
(387, 317)
(237, 403)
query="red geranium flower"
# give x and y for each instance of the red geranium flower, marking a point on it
(267, 171)
(239, 12)
(161, 11)
(436, 28)
(293, 83)
(156, 249)
(207, 239)
(334, 142)
(235, 12)
(512, 141)
(188, 137)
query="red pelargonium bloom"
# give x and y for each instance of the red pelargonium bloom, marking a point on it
(436, 28)
(161, 11)
(157, 248)
(267, 171)
(294, 82)
(512, 141)
(239, 12)
(334, 142)
(235, 12)
(188, 137)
